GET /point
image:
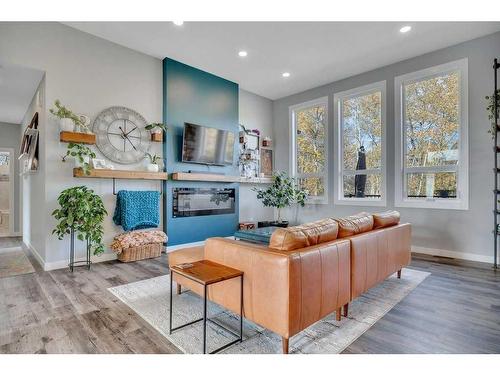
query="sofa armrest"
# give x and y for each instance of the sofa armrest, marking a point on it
(265, 281)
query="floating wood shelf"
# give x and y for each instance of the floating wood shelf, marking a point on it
(74, 137)
(184, 176)
(120, 174)
(256, 180)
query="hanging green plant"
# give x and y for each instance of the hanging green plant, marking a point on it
(491, 111)
(83, 211)
(83, 154)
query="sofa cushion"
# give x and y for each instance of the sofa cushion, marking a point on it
(385, 219)
(355, 224)
(304, 235)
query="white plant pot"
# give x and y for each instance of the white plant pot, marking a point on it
(86, 159)
(156, 130)
(67, 124)
(153, 168)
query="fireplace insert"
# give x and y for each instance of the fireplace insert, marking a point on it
(203, 201)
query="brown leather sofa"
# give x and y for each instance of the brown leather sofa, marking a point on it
(307, 272)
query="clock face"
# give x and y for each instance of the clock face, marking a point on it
(121, 135)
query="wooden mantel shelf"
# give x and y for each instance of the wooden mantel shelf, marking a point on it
(184, 176)
(256, 180)
(121, 174)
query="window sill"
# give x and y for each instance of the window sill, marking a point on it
(361, 202)
(436, 204)
(317, 201)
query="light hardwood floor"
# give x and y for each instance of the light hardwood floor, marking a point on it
(455, 310)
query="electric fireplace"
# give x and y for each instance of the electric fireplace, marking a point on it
(203, 201)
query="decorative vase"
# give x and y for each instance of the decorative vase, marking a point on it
(153, 168)
(67, 125)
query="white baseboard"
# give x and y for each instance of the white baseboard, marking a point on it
(64, 263)
(35, 254)
(452, 254)
(191, 244)
(49, 266)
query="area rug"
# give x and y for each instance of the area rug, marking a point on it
(150, 299)
(14, 262)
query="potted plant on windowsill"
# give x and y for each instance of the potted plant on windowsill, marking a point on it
(283, 192)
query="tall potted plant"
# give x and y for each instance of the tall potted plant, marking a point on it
(283, 192)
(82, 212)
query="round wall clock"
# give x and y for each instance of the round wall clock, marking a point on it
(121, 135)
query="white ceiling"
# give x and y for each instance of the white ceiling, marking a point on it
(315, 53)
(17, 88)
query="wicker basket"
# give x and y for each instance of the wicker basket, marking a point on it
(152, 250)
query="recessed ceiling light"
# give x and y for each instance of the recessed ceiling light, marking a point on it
(286, 74)
(242, 54)
(178, 23)
(405, 29)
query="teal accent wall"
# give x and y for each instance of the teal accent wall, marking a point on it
(192, 95)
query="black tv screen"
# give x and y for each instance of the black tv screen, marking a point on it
(206, 145)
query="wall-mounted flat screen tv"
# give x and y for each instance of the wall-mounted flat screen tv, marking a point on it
(204, 145)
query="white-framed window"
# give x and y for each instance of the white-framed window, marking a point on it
(360, 136)
(432, 152)
(309, 147)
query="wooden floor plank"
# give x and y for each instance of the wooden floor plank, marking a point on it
(455, 310)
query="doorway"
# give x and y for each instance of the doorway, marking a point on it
(7, 192)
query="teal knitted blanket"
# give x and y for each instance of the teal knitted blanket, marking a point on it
(137, 209)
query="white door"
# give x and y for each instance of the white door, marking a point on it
(6, 192)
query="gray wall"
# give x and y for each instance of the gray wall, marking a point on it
(466, 232)
(10, 135)
(255, 113)
(33, 185)
(88, 74)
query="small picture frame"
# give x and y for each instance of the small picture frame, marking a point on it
(266, 162)
(99, 164)
(252, 141)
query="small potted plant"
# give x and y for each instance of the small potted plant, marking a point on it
(81, 211)
(156, 129)
(82, 155)
(67, 119)
(283, 192)
(154, 160)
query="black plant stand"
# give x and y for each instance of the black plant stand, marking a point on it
(72, 264)
(496, 151)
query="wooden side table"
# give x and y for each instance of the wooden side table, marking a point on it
(205, 272)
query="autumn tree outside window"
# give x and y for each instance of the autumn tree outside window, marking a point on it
(309, 147)
(432, 137)
(360, 116)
